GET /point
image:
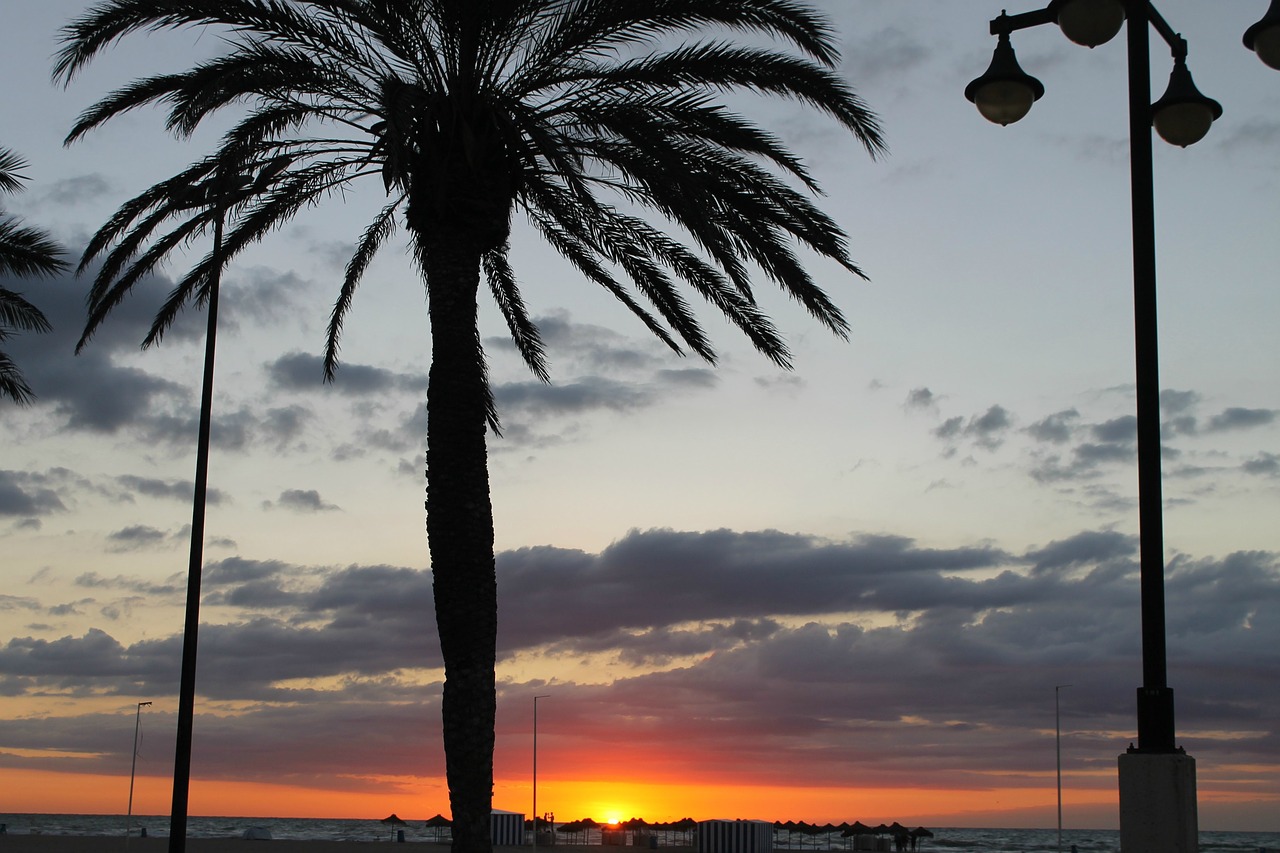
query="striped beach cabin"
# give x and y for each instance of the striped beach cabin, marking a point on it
(507, 828)
(735, 836)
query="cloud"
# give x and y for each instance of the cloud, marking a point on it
(28, 494)
(1264, 464)
(75, 190)
(298, 371)
(1236, 418)
(136, 537)
(1057, 428)
(920, 398)
(180, 490)
(301, 500)
(92, 391)
(750, 648)
(986, 430)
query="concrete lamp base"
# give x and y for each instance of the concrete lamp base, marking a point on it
(1158, 803)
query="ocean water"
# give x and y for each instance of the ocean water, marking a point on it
(945, 840)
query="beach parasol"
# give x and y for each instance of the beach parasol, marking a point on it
(394, 820)
(438, 823)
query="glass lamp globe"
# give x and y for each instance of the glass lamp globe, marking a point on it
(1090, 22)
(1263, 38)
(1183, 115)
(1004, 93)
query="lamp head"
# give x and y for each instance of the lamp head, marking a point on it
(1183, 115)
(1004, 93)
(1089, 22)
(1263, 38)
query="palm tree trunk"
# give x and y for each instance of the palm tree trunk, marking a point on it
(460, 535)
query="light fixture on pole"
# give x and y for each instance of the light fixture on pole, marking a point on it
(1157, 778)
(133, 767)
(535, 768)
(1057, 744)
(1089, 22)
(1004, 93)
(1263, 38)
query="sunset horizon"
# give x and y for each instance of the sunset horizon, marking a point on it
(895, 580)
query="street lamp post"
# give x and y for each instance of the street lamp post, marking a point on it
(1157, 778)
(133, 768)
(1057, 748)
(535, 769)
(218, 194)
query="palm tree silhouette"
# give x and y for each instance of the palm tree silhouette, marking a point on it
(598, 120)
(24, 252)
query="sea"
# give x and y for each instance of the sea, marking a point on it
(944, 840)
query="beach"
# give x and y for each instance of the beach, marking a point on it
(13, 843)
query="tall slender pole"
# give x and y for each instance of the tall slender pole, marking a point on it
(535, 770)
(133, 767)
(1155, 699)
(187, 684)
(1057, 741)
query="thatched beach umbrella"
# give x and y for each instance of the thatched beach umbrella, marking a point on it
(437, 823)
(918, 833)
(394, 820)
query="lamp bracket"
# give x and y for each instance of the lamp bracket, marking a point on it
(1007, 23)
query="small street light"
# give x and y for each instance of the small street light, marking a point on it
(535, 769)
(1057, 745)
(1157, 778)
(137, 726)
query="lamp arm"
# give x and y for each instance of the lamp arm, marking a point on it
(1177, 44)
(1006, 23)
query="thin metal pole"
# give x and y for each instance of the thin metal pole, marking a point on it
(187, 685)
(137, 726)
(1057, 731)
(1155, 699)
(535, 770)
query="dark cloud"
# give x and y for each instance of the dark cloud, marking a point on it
(301, 500)
(1265, 464)
(920, 398)
(259, 296)
(1236, 418)
(298, 371)
(1057, 428)
(24, 493)
(136, 537)
(537, 399)
(758, 638)
(986, 430)
(892, 656)
(92, 391)
(180, 490)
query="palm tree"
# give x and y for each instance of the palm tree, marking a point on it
(24, 252)
(598, 120)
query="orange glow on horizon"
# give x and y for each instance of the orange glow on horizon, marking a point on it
(604, 800)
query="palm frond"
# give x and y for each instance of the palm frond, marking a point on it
(506, 293)
(382, 227)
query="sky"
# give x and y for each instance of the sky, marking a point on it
(845, 592)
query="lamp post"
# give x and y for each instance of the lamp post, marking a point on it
(1057, 748)
(535, 769)
(1157, 778)
(222, 191)
(133, 767)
